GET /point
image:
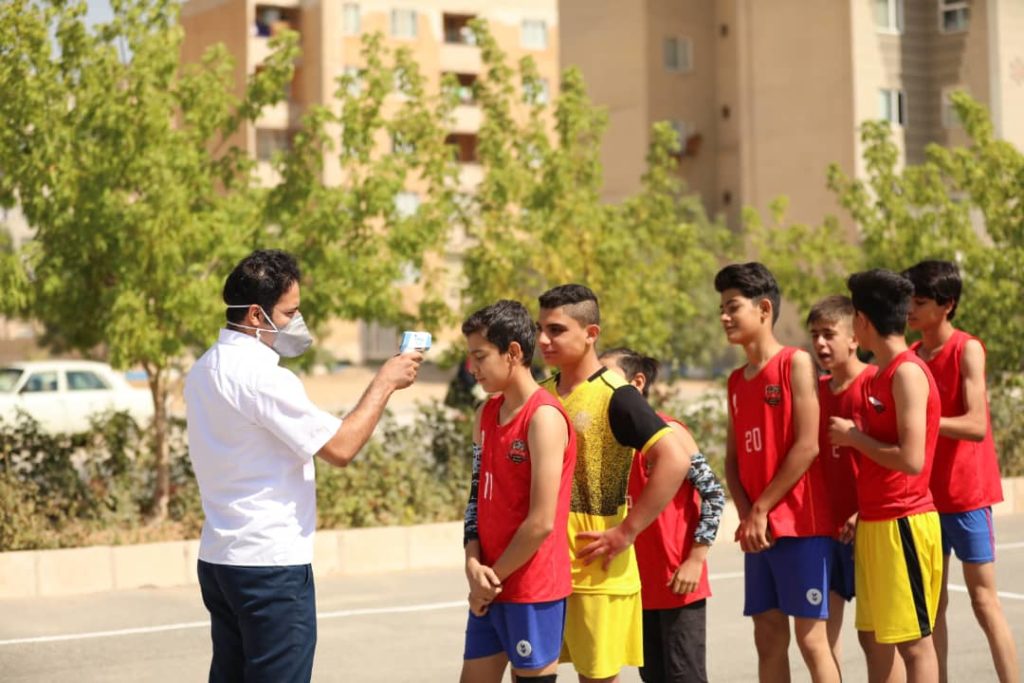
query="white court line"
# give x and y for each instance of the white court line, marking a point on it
(338, 614)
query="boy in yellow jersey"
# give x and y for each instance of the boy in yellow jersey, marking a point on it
(603, 629)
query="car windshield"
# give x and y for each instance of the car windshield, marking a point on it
(8, 379)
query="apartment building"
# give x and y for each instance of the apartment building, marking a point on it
(331, 32)
(766, 93)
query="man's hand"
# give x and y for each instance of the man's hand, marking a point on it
(840, 431)
(398, 372)
(686, 576)
(849, 529)
(607, 543)
(484, 584)
(753, 533)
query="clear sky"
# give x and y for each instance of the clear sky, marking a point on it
(99, 11)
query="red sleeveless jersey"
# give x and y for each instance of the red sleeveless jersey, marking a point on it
(662, 546)
(965, 475)
(883, 493)
(503, 501)
(763, 430)
(839, 463)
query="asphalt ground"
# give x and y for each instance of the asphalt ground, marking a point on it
(409, 627)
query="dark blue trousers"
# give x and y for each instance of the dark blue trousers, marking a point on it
(262, 621)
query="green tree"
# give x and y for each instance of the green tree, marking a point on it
(120, 161)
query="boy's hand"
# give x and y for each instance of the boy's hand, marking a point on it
(686, 576)
(753, 533)
(849, 529)
(607, 543)
(478, 606)
(839, 431)
(484, 584)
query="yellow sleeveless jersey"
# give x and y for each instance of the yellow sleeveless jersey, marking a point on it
(612, 420)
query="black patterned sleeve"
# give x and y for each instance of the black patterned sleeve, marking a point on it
(469, 526)
(712, 499)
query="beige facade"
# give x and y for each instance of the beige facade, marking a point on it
(767, 94)
(331, 33)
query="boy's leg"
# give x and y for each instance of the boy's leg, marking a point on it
(684, 641)
(981, 585)
(812, 637)
(920, 660)
(841, 585)
(940, 634)
(533, 637)
(771, 637)
(484, 658)
(653, 669)
(484, 669)
(603, 634)
(834, 625)
(883, 661)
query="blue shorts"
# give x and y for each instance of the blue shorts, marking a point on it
(791, 576)
(970, 534)
(841, 580)
(530, 634)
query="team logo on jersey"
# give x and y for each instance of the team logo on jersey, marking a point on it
(773, 395)
(523, 648)
(876, 404)
(518, 453)
(814, 596)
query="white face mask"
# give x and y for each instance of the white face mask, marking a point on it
(290, 341)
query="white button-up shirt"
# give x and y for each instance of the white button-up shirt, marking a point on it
(252, 435)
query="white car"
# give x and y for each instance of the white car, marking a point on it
(63, 394)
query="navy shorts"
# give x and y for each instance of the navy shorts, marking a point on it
(970, 534)
(530, 634)
(841, 580)
(791, 576)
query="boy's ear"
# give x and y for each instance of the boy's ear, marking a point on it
(948, 306)
(515, 352)
(593, 331)
(765, 306)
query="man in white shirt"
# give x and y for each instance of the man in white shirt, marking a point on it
(252, 434)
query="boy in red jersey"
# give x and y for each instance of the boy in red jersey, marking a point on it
(840, 394)
(965, 479)
(517, 551)
(898, 546)
(785, 522)
(672, 551)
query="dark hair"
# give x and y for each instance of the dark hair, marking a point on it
(884, 297)
(753, 280)
(580, 302)
(937, 280)
(831, 309)
(260, 278)
(632, 364)
(502, 323)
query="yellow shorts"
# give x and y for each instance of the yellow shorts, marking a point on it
(603, 633)
(898, 570)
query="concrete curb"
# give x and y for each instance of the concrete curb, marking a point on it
(76, 571)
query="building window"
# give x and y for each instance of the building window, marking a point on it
(350, 19)
(462, 86)
(536, 91)
(352, 79)
(272, 20)
(892, 106)
(407, 204)
(677, 54)
(950, 119)
(269, 141)
(889, 16)
(534, 35)
(400, 145)
(403, 23)
(463, 147)
(954, 15)
(457, 30)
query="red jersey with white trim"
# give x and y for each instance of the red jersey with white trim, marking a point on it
(883, 493)
(764, 432)
(965, 475)
(839, 463)
(662, 546)
(503, 501)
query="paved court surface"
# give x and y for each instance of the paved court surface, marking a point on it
(404, 627)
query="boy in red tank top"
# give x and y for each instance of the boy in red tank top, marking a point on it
(897, 548)
(517, 550)
(965, 480)
(785, 524)
(841, 393)
(672, 551)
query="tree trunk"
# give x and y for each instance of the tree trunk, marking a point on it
(162, 493)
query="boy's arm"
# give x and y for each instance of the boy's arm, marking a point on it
(712, 499)
(548, 436)
(910, 392)
(484, 584)
(753, 531)
(732, 474)
(973, 424)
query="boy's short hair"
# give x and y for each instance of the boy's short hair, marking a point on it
(633, 363)
(937, 280)
(580, 303)
(884, 297)
(753, 280)
(831, 309)
(502, 323)
(260, 278)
